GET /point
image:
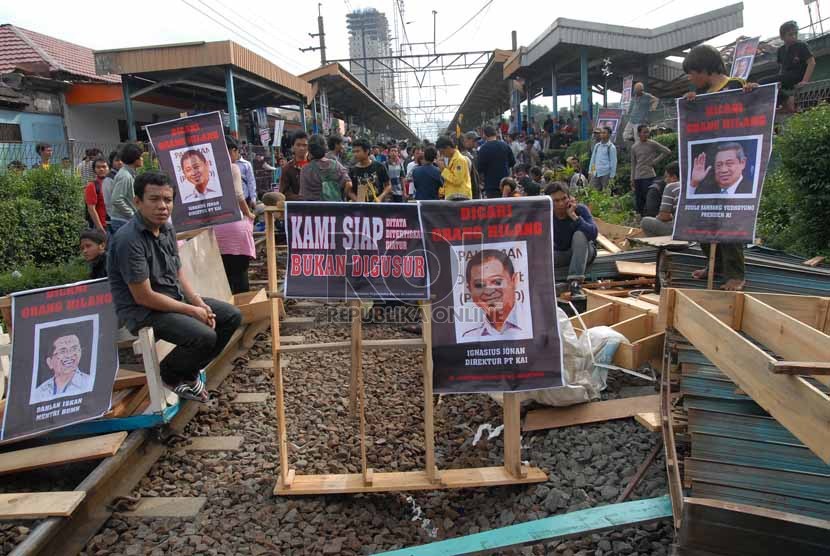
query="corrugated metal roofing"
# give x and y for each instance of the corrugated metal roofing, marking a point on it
(21, 46)
(662, 39)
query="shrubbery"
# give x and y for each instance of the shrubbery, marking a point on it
(41, 215)
(796, 198)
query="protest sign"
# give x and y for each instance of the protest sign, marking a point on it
(192, 151)
(628, 85)
(354, 251)
(610, 117)
(724, 142)
(494, 325)
(743, 57)
(64, 358)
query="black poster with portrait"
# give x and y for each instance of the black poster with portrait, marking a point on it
(193, 153)
(494, 325)
(724, 142)
(354, 251)
(64, 358)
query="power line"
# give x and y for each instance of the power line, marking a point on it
(268, 32)
(660, 7)
(480, 11)
(251, 40)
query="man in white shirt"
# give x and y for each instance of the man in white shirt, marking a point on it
(492, 282)
(199, 185)
(67, 379)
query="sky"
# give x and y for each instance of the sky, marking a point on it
(276, 29)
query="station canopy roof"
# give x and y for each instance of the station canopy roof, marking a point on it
(348, 96)
(195, 72)
(488, 96)
(631, 50)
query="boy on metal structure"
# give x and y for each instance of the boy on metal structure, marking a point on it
(707, 74)
(795, 65)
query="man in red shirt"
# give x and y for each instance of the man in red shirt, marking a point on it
(290, 178)
(94, 195)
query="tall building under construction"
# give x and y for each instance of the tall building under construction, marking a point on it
(369, 37)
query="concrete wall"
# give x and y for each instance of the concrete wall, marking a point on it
(98, 123)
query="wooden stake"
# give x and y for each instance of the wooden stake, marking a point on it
(429, 423)
(357, 373)
(356, 314)
(710, 280)
(282, 438)
(512, 435)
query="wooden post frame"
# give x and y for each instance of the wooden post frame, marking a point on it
(719, 335)
(368, 480)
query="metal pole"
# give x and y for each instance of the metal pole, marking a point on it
(314, 123)
(302, 117)
(553, 92)
(529, 109)
(231, 101)
(365, 65)
(128, 108)
(514, 41)
(322, 34)
(585, 89)
(434, 27)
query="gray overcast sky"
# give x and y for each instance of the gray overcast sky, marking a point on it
(276, 29)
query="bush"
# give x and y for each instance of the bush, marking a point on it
(804, 148)
(29, 277)
(41, 215)
(779, 204)
(667, 140)
(579, 149)
(614, 209)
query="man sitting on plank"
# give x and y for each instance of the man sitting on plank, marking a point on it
(150, 289)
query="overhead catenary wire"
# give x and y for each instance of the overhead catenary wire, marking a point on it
(478, 13)
(252, 40)
(268, 32)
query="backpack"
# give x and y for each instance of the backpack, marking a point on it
(330, 190)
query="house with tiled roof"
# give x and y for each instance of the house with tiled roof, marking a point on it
(50, 92)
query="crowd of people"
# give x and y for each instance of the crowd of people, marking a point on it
(131, 241)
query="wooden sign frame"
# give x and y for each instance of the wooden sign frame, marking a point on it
(430, 478)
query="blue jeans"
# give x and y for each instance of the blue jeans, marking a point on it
(581, 254)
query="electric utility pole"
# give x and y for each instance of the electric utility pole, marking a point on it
(321, 34)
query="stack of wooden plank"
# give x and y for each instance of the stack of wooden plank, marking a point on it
(748, 455)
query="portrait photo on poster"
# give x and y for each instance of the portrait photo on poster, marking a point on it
(196, 173)
(612, 124)
(742, 67)
(491, 294)
(723, 168)
(745, 48)
(64, 359)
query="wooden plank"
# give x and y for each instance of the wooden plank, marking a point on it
(607, 244)
(811, 310)
(36, 505)
(429, 407)
(650, 421)
(629, 268)
(406, 481)
(652, 298)
(580, 523)
(129, 379)
(804, 368)
(202, 264)
(814, 262)
(593, 412)
(784, 335)
(615, 232)
(604, 284)
(629, 306)
(647, 350)
(84, 449)
(796, 404)
(660, 242)
(512, 434)
(256, 309)
(635, 328)
(604, 315)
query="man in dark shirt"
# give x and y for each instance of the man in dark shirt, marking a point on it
(574, 233)
(795, 63)
(290, 178)
(495, 158)
(149, 288)
(427, 177)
